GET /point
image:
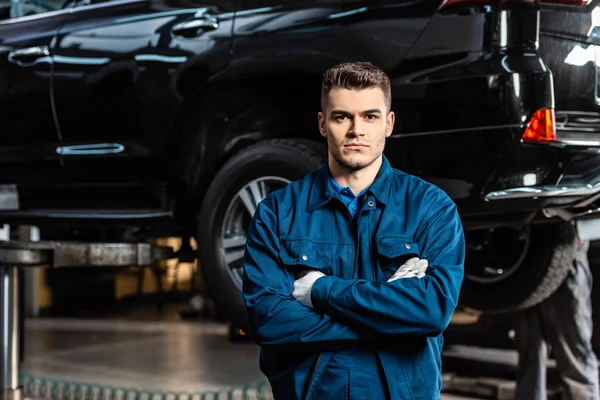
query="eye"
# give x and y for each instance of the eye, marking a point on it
(371, 116)
(340, 117)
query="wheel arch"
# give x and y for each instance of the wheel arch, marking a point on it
(226, 116)
(227, 214)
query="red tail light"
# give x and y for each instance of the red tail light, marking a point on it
(541, 127)
(452, 3)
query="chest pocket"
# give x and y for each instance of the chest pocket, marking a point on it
(392, 252)
(301, 254)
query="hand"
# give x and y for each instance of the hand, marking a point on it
(413, 268)
(303, 286)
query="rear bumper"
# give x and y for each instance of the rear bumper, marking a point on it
(585, 188)
(539, 184)
(572, 200)
(546, 176)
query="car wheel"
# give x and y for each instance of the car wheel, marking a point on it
(229, 205)
(510, 269)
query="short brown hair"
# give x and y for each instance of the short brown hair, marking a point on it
(355, 76)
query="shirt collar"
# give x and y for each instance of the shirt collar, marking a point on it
(336, 186)
(323, 190)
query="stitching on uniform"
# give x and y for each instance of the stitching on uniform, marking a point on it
(299, 239)
(425, 380)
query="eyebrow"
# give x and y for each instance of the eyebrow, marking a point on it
(371, 111)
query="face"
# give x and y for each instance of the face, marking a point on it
(356, 124)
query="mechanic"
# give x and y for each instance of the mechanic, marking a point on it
(352, 273)
(563, 321)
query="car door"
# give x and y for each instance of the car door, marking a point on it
(116, 68)
(28, 134)
(316, 34)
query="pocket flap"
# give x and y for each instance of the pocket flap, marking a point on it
(306, 253)
(394, 246)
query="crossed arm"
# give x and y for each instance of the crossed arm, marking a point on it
(346, 309)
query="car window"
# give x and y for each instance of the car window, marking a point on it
(10, 9)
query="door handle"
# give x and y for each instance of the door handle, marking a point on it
(192, 28)
(29, 53)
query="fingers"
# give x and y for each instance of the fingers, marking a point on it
(408, 265)
(410, 262)
(306, 272)
(422, 265)
(409, 274)
(412, 268)
(403, 274)
(414, 264)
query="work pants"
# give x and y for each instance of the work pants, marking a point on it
(563, 322)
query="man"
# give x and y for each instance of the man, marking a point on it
(352, 273)
(564, 321)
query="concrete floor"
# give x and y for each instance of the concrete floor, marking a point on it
(149, 355)
(165, 356)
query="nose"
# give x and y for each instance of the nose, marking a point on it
(358, 127)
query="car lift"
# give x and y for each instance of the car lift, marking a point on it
(53, 254)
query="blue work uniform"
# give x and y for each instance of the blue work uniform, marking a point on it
(352, 373)
(393, 330)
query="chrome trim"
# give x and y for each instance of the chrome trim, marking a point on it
(84, 214)
(583, 189)
(35, 51)
(30, 56)
(580, 142)
(449, 131)
(204, 23)
(91, 149)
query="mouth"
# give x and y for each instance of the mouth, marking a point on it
(355, 146)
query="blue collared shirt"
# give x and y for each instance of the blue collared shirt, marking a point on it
(351, 200)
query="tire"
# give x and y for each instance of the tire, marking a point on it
(288, 159)
(541, 270)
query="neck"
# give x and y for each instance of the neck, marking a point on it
(357, 180)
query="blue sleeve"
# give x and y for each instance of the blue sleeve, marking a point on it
(410, 306)
(275, 317)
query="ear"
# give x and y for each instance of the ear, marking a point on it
(322, 125)
(391, 119)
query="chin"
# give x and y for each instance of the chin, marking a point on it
(355, 163)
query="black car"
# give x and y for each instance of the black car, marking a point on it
(176, 117)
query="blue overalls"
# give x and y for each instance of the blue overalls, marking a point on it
(353, 374)
(365, 337)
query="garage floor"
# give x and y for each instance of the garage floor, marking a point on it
(150, 355)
